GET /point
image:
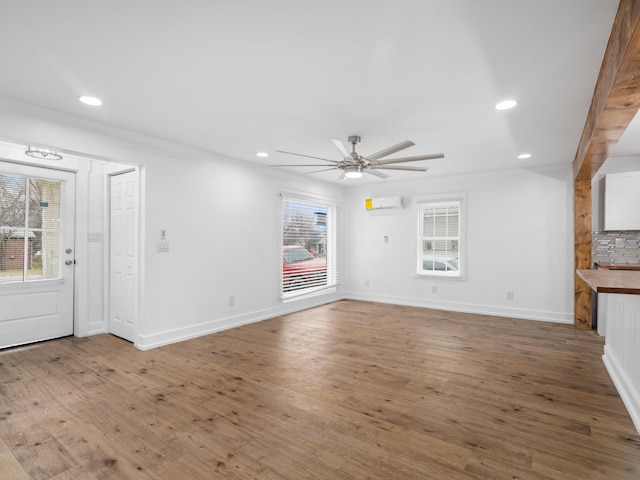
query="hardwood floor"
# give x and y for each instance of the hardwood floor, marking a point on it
(350, 390)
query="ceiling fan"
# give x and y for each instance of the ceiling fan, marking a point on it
(353, 165)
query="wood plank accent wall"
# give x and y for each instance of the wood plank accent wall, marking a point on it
(615, 102)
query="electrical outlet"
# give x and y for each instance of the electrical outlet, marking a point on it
(619, 242)
(232, 300)
(510, 295)
(434, 289)
(366, 283)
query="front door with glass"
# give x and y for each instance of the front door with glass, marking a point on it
(36, 253)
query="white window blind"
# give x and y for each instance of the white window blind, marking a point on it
(440, 227)
(29, 229)
(308, 250)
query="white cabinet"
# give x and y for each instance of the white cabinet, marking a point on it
(622, 350)
(622, 201)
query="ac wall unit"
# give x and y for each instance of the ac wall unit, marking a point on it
(383, 202)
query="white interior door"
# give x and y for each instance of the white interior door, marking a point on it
(37, 209)
(123, 275)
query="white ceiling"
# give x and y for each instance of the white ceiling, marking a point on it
(238, 77)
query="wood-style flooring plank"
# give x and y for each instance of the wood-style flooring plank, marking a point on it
(349, 390)
(9, 464)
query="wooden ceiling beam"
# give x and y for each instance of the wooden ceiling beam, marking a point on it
(616, 98)
(615, 102)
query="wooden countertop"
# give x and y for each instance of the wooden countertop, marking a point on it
(612, 281)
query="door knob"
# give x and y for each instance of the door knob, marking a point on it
(68, 262)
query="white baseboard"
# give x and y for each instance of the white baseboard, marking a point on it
(147, 342)
(95, 331)
(629, 395)
(527, 314)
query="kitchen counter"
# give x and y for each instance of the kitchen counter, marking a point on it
(612, 281)
(618, 308)
(622, 347)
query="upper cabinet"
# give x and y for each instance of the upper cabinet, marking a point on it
(622, 201)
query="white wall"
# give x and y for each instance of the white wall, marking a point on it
(221, 217)
(519, 238)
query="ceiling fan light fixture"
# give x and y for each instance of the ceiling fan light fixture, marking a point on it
(353, 171)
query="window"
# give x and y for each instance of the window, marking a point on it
(308, 246)
(29, 229)
(440, 235)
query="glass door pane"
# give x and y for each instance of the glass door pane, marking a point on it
(29, 229)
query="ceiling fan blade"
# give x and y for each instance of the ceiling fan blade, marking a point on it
(340, 146)
(303, 165)
(308, 156)
(371, 171)
(390, 150)
(417, 158)
(408, 169)
(323, 170)
(342, 176)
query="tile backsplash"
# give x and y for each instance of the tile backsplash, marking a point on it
(615, 247)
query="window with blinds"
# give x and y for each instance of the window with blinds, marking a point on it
(308, 247)
(29, 229)
(440, 236)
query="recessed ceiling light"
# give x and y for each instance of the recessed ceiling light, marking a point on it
(524, 155)
(93, 101)
(262, 154)
(506, 105)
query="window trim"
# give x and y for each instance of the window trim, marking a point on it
(420, 202)
(333, 259)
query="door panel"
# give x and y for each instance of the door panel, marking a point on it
(36, 232)
(123, 275)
